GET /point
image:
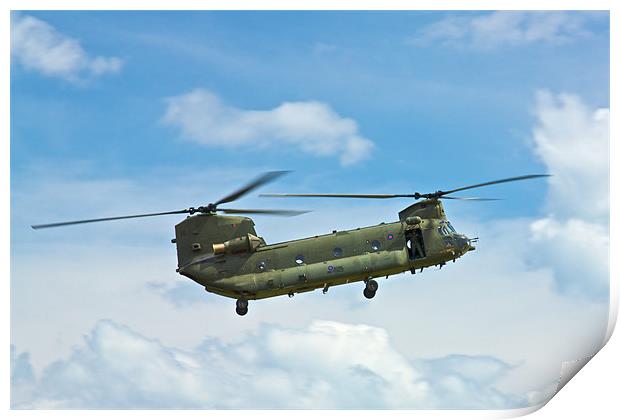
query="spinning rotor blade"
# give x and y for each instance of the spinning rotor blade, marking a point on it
(208, 209)
(473, 198)
(104, 219)
(417, 195)
(261, 180)
(499, 181)
(265, 211)
(339, 195)
(198, 260)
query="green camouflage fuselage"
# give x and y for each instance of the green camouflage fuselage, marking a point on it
(421, 238)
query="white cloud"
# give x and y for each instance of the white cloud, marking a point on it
(38, 46)
(577, 251)
(324, 365)
(313, 127)
(459, 380)
(572, 139)
(22, 378)
(503, 28)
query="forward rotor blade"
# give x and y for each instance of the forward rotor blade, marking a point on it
(471, 198)
(264, 211)
(261, 180)
(340, 195)
(417, 196)
(104, 219)
(499, 181)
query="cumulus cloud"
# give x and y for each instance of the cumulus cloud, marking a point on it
(572, 139)
(22, 378)
(38, 46)
(503, 28)
(313, 127)
(577, 251)
(324, 365)
(459, 379)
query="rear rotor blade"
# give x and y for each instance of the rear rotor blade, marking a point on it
(471, 198)
(340, 195)
(198, 260)
(264, 211)
(104, 219)
(261, 180)
(499, 181)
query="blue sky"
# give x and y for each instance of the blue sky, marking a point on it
(123, 112)
(448, 109)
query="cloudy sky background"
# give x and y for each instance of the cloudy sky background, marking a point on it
(122, 113)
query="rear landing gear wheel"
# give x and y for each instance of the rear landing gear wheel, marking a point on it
(372, 285)
(242, 307)
(371, 289)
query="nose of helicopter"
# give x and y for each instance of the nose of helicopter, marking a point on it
(464, 244)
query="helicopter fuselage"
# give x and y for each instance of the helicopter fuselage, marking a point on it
(245, 267)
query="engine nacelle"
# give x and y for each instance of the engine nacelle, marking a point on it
(245, 243)
(413, 220)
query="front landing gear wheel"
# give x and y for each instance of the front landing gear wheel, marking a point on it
(242, 307)
(371, 289)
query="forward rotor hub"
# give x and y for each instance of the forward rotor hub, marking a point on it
(211, 208)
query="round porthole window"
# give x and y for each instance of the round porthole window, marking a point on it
(260, 266)
(337, 252)
(299, 260)
(375, 245)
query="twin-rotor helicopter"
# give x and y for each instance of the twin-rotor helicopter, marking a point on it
(225, 255)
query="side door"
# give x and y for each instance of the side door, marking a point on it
(414, 241)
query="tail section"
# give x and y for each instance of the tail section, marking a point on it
(196, 235)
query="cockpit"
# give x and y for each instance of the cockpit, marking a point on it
(446, 229)
(453, 239)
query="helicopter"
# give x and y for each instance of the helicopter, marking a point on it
(225, 255)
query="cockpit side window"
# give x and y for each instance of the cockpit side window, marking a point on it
(450, 227)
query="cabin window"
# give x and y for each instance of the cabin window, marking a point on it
(299, 260)
(260, 266)
(337, 252)
(375, 245)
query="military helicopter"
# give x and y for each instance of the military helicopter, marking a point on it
(225, 255)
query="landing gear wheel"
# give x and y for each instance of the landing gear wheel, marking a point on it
(242, 307)
(372, 285)
(369, 294)
(371, 289)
